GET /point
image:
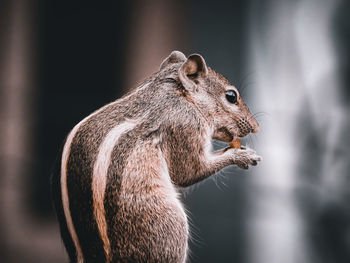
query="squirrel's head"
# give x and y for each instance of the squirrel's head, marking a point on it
(218, 101)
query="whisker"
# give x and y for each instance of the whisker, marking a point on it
(244, 88)
(242, 85)
(261, 113)
(241, 81)
(255, 140)
(250, 141)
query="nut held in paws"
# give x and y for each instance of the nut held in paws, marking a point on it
(236, 143)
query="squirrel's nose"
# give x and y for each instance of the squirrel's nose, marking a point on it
(255, 126)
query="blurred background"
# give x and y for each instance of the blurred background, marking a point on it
(61, 60)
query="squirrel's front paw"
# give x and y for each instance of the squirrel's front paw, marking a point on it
(245, 157)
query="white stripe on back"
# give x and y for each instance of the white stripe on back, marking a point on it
(64, 189)
(64, 192)
(99, 178)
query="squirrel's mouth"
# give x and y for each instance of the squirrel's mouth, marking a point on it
(225, 134)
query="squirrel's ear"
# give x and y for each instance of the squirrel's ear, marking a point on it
(193, 68)
(174, 57)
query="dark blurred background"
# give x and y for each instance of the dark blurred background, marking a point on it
(61, 60)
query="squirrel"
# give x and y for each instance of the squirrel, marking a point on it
(116, 188)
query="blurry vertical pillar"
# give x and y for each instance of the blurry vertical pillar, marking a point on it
(276, 227)
(294, 57)
(22, 239)
(156, 28)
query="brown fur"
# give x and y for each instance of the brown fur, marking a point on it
(178, 110)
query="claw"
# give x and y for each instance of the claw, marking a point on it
(243, 166)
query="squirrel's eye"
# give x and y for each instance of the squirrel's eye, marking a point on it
(231, 96)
